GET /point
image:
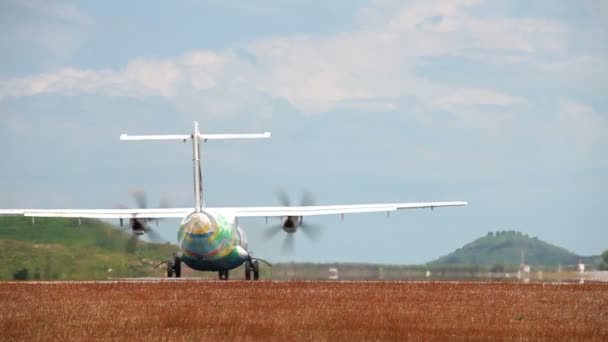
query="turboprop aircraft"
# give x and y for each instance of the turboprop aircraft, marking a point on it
(210, 238)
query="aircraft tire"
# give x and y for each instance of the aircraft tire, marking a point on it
(169, 270)
(256, 270)
(177, 267)
(247, 270)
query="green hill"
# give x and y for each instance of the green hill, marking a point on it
(55, 248)
(505, 248)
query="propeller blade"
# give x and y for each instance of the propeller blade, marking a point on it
(140, 198)
(312, 231)
(283, 197)
(154, 236)
(272, 231)
(164, 202)
(288, 245)
(307, 199)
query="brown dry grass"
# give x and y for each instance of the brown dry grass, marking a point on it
(238, 310)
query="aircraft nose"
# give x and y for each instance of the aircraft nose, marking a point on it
(200, 225)
(198, 218)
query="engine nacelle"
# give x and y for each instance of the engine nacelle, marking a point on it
(291, 223)
(138, 227)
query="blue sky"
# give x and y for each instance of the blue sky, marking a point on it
(499, 103)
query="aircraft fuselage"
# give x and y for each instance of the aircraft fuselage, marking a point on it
(209, 241)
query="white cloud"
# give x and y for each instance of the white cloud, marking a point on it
(52, 28)
(159, 77)
(578, 124)
(59, 11)
(462, 96)
(368, 69)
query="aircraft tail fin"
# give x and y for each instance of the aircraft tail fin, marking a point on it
(196, 137)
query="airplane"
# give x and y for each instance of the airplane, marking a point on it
(210, 238)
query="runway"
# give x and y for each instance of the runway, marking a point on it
(195, 309)
(590, 278)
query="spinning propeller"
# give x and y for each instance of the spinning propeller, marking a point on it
(141, 226)
(291, 224)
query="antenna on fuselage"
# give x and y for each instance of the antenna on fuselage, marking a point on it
(196, 137)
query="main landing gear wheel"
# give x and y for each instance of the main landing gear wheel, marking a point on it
(256, 270)
(223, 274)
(174, 268)
(252, 266)
(169, 269)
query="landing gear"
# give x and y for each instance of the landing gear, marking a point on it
(169, 269)
(223, 274)
(252, 266)
(174, 268)
(256, 270)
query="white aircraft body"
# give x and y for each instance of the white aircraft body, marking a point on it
(209, 238)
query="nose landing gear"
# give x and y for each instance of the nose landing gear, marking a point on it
(174, 268)
(252, 267)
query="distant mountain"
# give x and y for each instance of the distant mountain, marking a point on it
(505, 248)
(57, 248)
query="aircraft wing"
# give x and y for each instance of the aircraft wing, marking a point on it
(231, 211)
(313, 210)
(100, 213)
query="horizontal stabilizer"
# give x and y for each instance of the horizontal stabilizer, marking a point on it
(204, 137)
(234, 136)
(155, 137)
